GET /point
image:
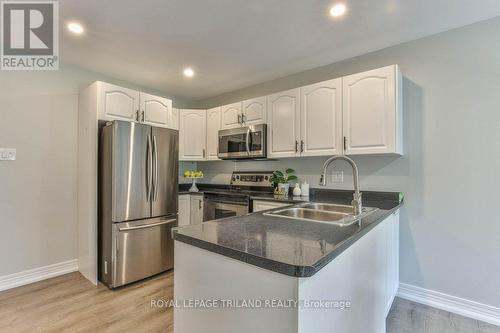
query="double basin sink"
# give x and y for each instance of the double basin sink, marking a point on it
(340, 215)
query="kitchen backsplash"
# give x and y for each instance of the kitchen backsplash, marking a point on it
(382, 173)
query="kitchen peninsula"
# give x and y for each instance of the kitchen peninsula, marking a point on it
(340, 276)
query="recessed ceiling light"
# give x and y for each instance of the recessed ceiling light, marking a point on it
(188, 72)
(75, 28)
(338, 10)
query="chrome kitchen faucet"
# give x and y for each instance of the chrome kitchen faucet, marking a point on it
(356, 202)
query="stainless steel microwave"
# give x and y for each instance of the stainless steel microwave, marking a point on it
(243, 142)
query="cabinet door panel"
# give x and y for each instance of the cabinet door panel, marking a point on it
(213, 127)
(231, 114)
(174, 119)
(283, 124)
(184, 210)
(254, 111)
(155, 111)
(321, 118)
(117, 103)
(192, 135)
(196, 209)
(370, 111)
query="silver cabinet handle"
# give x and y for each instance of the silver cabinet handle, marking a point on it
(155, 148)
(199, 204)
(149, 170)
(137, 115)
(239, 119)
(204, 153)
(301, 146)
(243, 118)
(296, 146)
(142, 116)
(144, 226)
(247, 143)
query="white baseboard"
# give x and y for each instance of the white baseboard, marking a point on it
(464, 307)
(37, 274)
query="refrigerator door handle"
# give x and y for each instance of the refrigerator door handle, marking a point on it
(147, 225)
(149, 170)
(155, 148)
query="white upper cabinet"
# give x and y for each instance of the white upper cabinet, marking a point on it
(321, 118)
(231, 115)
(155, 111)
(283, 120)
(372, 112)
(174, 119)
(213, 127)
(254, 111)
(117, 103)
(192, 134)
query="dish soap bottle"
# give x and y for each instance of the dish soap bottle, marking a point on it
(296, 190)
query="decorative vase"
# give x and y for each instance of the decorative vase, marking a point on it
(193, 186)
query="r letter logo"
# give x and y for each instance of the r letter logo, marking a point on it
(29, 35)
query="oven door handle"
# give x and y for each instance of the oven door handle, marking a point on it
(247, 141)
(222, 203)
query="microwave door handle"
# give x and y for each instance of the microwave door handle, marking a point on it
(247, 141)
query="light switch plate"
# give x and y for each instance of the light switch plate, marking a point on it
(338, 176)
(7, 154)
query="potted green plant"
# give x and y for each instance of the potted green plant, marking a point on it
(281, 181)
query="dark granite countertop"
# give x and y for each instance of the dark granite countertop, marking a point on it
(293, 247)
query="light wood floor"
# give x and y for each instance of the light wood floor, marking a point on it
(70, 303)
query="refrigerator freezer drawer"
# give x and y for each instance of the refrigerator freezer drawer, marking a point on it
(142, 249)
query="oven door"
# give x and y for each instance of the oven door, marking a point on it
(214, 210)
(244, 142)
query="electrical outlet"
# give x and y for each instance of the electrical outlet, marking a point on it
(337, 176)
(7, 154)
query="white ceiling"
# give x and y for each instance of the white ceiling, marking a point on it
(232, 44)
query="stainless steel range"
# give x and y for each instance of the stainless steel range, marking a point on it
(235, 200)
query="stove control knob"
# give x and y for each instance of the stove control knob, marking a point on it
(266, 178)
(234, 178)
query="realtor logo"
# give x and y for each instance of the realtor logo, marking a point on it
(29, 35)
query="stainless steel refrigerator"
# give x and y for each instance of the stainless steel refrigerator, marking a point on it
(138, 185)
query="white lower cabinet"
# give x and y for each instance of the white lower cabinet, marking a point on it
(213, 126)
(359, 275)
(184, 215)
(259, 205)
(196, 209)
(283, 124)
(192, 134)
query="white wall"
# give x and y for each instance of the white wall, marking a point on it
(450, 232)
(38, 116)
